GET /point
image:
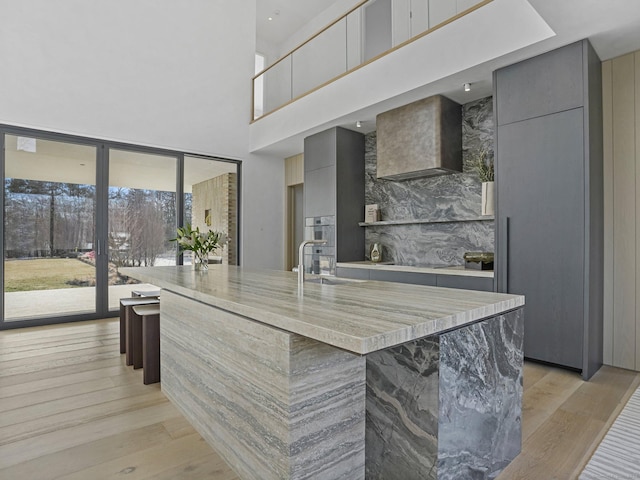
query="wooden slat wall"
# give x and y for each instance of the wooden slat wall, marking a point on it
(637, 159)
(607, 122)
(294, 170)
(293, 175)
(621, 99)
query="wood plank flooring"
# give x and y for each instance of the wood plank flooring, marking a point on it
(71, 409)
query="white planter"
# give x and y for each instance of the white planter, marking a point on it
(487, 198)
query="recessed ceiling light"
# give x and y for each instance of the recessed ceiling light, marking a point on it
(270, 18)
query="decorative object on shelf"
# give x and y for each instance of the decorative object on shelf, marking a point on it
(375, 254)
(478, 260)
(200, 243)
(371, 213)
(483, 165)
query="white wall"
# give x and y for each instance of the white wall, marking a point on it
(153, 72)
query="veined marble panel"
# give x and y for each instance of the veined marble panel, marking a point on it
(434, 198)
(402, 411)
(275, 405)
(480, 426)
(449, 406)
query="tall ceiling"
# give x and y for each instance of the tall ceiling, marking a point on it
(288, 16)
(613, 27)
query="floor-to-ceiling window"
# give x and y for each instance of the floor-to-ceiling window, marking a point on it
(49, 228)
(210, 202)
(142, 215)
(75, 210)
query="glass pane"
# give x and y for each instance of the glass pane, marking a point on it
(211, 201)
(276, 85)
(49, 225)
(142, 216)
(258, 88)
(321, 59)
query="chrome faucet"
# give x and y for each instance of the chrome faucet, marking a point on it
(301, 257)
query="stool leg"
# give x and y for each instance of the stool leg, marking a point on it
(128, 314)
(123, 329)
(136, 339)
(151, 348)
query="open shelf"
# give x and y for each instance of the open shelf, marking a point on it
(415, 221)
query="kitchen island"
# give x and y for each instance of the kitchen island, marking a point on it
(347, 380)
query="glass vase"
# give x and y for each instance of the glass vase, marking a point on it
(200, 261)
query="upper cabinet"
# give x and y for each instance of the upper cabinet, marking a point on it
(546, 84)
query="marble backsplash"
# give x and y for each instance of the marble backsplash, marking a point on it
(439, 199)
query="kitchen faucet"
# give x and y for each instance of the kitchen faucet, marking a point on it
(301, 258)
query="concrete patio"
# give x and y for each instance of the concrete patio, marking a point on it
(63, 301)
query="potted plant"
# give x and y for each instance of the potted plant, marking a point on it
(200, 243)
(483, 166)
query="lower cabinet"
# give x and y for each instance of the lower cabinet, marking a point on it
(356, 273)
(403, 277)
(484, 284)
(417, 278)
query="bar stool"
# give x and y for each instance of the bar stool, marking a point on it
(150, 315)
(126, 326)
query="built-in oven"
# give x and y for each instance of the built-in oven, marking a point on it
(320, 259)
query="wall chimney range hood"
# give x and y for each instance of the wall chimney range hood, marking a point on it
(421, 139)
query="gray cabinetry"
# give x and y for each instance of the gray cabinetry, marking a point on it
(546, 84)
(357, 273)
(549, 202)
(403, 277)
(484, 284)
(320, 192)
(418, 278)
(334, 190)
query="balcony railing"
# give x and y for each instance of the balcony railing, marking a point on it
(365, 33)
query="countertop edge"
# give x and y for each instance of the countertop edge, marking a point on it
(360, 345)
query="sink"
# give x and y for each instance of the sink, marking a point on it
(325, 280)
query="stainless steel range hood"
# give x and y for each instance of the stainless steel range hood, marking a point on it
(421, 139)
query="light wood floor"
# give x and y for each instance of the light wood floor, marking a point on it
(71, 409)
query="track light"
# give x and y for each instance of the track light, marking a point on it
(358, 124)
(467, 87)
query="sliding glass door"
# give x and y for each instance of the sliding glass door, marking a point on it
(142, 216)
(76, 210)
(49, 228)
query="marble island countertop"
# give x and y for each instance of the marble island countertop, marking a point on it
(358, 316)
(444, 270)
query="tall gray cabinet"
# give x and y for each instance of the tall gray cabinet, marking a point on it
(334, 197)
(549, 202)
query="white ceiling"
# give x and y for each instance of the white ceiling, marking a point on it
(72, 163)
(613, 28)
(291, 16)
